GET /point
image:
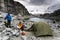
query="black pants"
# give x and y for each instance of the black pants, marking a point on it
(22, 28)
(9, 23)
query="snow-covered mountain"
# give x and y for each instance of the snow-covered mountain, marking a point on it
(13, 7)
(40, 6)
(53, 8)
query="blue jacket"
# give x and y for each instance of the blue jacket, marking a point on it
(8, 17)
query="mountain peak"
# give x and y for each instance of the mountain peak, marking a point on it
(14, 7)
(53, 8)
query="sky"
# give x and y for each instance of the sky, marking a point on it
(40, 6)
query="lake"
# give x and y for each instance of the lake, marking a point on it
(39, 20)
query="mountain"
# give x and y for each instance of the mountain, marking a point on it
(54, 16)
(53, 7)
(14, 7)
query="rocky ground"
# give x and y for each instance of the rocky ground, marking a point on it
(56, 34)
(29, 35)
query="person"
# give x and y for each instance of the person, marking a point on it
(20, 26)
(8, 18)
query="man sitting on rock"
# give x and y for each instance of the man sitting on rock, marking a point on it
(20, 26)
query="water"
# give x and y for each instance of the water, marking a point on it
(39, 19)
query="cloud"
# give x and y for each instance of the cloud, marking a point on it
(53, 8)
(40, 5)
(37, 2)
(41, 2)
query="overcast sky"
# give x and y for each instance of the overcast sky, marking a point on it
(40, 6)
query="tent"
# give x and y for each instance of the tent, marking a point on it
(42, 29)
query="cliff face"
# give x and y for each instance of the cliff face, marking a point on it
(14, 7)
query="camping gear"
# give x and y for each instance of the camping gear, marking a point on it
(23, 33)
(5, 23)
(41, 29)
(23, 36)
